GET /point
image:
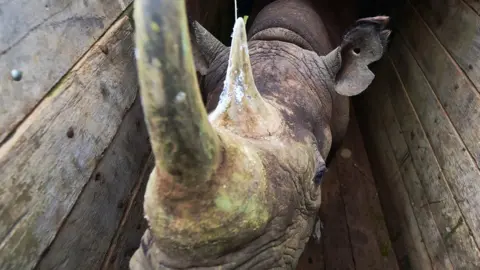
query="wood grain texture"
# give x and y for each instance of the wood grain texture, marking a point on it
(44, 40)
(412, 185)
(132, 227)
(452, 87)
(474, 4)
(458, 167)
(46, 164)
(217, 16)
(448, 216)
(427, 239)
(312, 257)
(431, 88)
(456, 26)
(104, 200)
(404, 230)
(371, 246)
(336, 241)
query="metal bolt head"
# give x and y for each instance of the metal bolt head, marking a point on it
(16, 74)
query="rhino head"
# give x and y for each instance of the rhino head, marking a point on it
(239, 187)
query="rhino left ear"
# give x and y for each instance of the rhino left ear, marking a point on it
(205, 46)
(362, 45)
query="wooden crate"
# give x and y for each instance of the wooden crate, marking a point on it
(75, 155)
(421, 124)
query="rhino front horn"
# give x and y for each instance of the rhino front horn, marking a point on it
(185, 145)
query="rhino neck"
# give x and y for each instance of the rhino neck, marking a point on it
(293, 21)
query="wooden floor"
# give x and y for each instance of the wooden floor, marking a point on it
(354, 234)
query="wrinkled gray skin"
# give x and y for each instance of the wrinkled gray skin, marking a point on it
(296, 68)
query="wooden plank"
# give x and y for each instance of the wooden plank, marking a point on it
(312, 256)
(133, 225)
(46, 164)
(431, 237)
(401, 222)
(339, 16)
(458, 96)
(474, 4)
(211, 14)
(337, 246)
(460, 244)
(371, 245)
(44, 40)
(456, 26)
(100, 207)
(421, 209)
(457, 165)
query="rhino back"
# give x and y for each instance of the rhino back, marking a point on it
(299, 18)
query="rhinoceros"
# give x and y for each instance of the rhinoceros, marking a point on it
(236, 183)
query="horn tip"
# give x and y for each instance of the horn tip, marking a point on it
(239, 23)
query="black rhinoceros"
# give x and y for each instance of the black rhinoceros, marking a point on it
(239, 187)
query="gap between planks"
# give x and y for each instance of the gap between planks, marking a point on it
(137, 195)
(60, 202)
(466, 136)
(449, 50)
(413, 186)
(396, 203)
(441, 178)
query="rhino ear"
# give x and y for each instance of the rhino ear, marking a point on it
(362, 45)
(205, 46)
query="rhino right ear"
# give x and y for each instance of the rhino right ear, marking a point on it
(205, 46)
(362, 45)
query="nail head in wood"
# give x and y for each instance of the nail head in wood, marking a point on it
(16, 74)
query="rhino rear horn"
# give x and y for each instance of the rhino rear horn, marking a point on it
(241, 107)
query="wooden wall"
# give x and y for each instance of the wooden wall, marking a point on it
(74, 151)
(421, 123)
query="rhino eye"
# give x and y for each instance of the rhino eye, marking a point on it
(317, 179)
(356, 50)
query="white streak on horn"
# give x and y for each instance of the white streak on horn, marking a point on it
(240, 105)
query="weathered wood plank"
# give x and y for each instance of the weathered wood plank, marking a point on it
(336, 242)
(403, 228)
(453, 89)
(312, 257)
(458, 167)
(133, 225)
(371, 246)
(460, 244)
(430, 235)
(217, 16)
(44, 40)
(474, 4)
(45, 165)
(456, 26)
(100, 207)
(337, 17)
